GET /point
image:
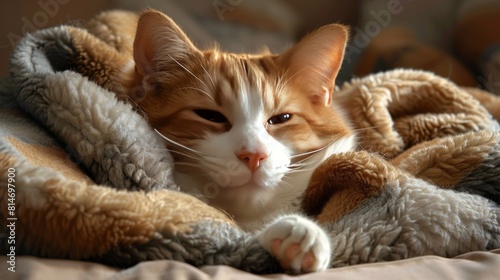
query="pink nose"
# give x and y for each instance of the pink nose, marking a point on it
(252, 160)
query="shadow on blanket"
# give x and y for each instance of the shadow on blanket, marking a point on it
(84, 177)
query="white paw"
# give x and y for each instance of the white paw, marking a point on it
(299, 244)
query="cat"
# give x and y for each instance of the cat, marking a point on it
(246, 131)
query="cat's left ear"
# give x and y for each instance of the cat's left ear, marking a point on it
(315, 61)
(159, 42)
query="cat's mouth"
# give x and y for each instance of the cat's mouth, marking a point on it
(251, 181)
(257, 182)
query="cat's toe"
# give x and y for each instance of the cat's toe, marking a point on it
(299, 245)
(292, 260)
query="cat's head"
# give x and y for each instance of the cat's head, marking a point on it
(239, 125)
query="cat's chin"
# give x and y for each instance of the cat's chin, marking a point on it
(252, 185)
(209, 188)
(256, 182)
(246, 202)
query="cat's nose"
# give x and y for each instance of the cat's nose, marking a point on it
(252, 160)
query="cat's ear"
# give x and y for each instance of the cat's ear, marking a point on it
(314, 62)
(159, 40)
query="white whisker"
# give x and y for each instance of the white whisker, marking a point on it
(301, 166)
(185, 154)
(285, 184)
(319, 73)
(188, 164)
(198, 89)
(214, 160)
(282, 86)
(310, 152)
(291, 171)
(210, 77)
(297, 165)
(178, 144)
(178, 63)
(304, 161)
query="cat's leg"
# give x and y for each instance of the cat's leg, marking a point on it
(299, 244)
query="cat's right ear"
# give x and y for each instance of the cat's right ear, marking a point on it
(315, 61)
(159, 42)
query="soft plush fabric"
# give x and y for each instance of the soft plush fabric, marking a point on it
(474, 265)
(93, 180)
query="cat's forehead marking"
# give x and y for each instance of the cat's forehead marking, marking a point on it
(250, 105)
(245, 87)
(241, 94)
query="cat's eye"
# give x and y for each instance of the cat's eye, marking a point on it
(281, 118)
(211, 115)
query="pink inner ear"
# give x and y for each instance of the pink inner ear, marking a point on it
(322, 97)
(144, 46)
(156, 36)
(316, 60)
(326, 96)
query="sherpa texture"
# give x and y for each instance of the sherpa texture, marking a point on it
(93, 181)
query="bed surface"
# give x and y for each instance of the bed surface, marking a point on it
(474, 265)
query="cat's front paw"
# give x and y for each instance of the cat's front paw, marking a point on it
(299, 244)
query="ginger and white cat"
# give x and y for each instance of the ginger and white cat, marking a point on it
(246, 131)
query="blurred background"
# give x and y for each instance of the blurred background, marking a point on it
(385, 34)
(237, 25)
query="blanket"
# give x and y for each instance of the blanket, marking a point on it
(83, 176)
